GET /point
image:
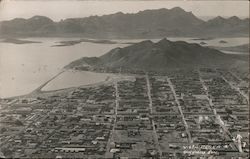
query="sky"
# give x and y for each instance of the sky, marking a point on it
(62, 9)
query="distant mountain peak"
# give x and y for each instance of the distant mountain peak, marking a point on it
(219, 18)
(174, 10)
(39, 17)
(164, 40)
(178, 9)
(40, 20)
(117, 14)
(234, 19)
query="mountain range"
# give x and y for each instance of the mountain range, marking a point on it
(162, 55)
(144, 24)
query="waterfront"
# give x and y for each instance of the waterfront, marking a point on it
(76, 78)
(24, 67)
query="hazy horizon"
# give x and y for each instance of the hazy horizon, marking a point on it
(57, 10)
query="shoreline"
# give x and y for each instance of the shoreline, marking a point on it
(38, 91)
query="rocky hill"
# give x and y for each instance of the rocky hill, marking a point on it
(161, 55)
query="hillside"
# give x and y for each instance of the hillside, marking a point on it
(162, 55)
(144, 24)
(232, 26)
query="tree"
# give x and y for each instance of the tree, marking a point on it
(3, 130)
(229, 111)
(18, 123)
